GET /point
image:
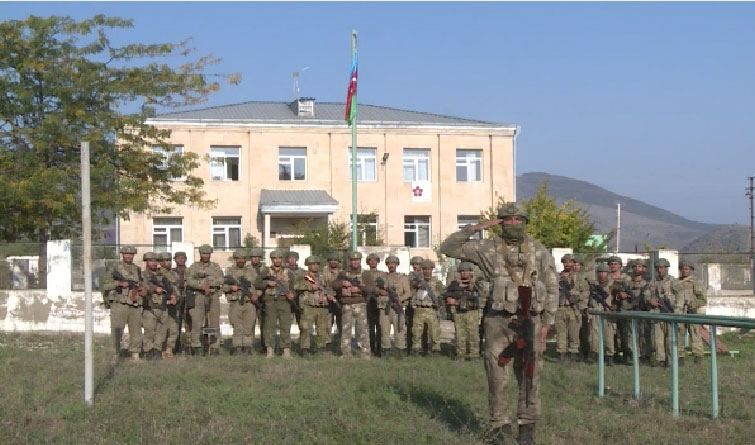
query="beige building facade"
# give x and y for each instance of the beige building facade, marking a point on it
(272, 165)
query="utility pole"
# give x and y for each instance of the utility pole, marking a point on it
(618, 227)
(749, 193)
(86, 227)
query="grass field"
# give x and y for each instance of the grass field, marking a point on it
(327, 400)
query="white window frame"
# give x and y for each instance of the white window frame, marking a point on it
(463, 220)
(467, 158)
(364, 156)
(225, 230)
(217, 162)
(362, 233)
(177, 149)
(413, 158)
(164, 226)
(412, 224)
(290, 160)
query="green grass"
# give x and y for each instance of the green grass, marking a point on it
(327, 400)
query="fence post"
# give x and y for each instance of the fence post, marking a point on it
(713, 373)
(635, 362)
(674, 369)
(601, 363)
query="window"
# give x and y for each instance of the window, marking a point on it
(468, 165)
(224, 163)
(465, 220)
(226, 232)
(366, 164)
(166, 231)
(416, 164)
(292, 164)
(417, 231)
(367, 230)
(177, 149)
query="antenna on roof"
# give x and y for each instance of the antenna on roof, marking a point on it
(296, 76)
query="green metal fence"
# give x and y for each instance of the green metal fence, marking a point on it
(712, 321)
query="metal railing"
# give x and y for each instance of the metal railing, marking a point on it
(712, 321)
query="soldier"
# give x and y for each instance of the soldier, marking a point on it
(205, 280)
(582, 280)
(513, 263)
(256, 254)
(184, 342)
(391, 308)
(463, 296)
(292, 260)
(371, 294)
(619, 283)
(569, 315)
(242, 297)
(171, 324)
(348, 288)
(416, 264)
(665, 296)
(155, 315)
(427, 294)
(315, 297)
(601, 300)
(277, 297)
(329, 275)
(126, 284)
(693, 295)
(639, 294)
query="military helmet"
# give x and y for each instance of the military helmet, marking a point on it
(615, 259)
(178, 254)
(163, 256)
(416, 260)
(333, 256)
(149, 256)
(428, 264)
(662, 262)
(465, 266)
(392, 259)
(239, 253)
(128, 249)
(685, 263)
(567, 257)
(354, 255)
(312, 259)
(257, 252)
(205, 249)
(276, 254)
(373, 256)
(578, 258)
(602, 267)
(293, 254)
(631, 262)
(511, 209)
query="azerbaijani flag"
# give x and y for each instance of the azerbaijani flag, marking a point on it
(351, 95)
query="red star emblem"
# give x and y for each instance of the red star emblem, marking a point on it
(417, 191)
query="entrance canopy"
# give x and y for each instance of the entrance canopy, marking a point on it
(297, 202)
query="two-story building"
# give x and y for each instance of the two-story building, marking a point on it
(272, 165)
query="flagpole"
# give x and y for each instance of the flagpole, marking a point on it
(354, 153)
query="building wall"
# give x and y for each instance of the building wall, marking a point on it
(327, 169)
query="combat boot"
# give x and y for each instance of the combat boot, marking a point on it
(196, 351)
(398, 353)
(303, 352)
(501, 435)
(526, 434)
(269, 353)
(562, 357)
(246, 350)
(135, 357)
(574, 357)
(681, 361)
(236, 351)
(286, 353)
(609, 361)
(384, 353)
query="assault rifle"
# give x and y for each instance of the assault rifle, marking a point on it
(619, 287)
(393, 300)
(134, 287)
(282, 290)
(599, 294)
(524, 342)
(466, 298)
(418, 282)
(353, 282)
(311, 280)
(665, 304)
(167, 289)
(246, 287)
(565, 287)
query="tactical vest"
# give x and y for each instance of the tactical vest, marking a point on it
(130, 272)
(422, 297)
(314, 298)
(515, 265)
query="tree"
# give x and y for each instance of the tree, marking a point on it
(324, 238)
(63, 83)
(553, 225)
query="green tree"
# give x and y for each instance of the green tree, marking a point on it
(324, 238)
(553, 225)
(63, 83)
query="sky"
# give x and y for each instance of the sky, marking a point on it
(655, 101)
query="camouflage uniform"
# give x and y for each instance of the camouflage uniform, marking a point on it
(278, 312)
(171, 324)
(370, 293)
(416, 263)
(511, 260)
(619, 280)
(313, 295)
(258, 267)
(198, 275)
(569, 313)
(126, 305)
(640, 293)
(156, 319)
(608, 326)
(466, 312)
(242, 313)
(353, 311)
(692, 293)
(329, 275)
(661, 288)
(392, 318)
(184, 344)
(425, 310)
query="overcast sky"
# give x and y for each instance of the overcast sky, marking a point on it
(653, 101)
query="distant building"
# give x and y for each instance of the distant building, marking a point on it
(273, 164)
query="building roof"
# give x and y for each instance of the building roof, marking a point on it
(326, 113)
(297, 202)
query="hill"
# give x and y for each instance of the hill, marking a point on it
(641, 223)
